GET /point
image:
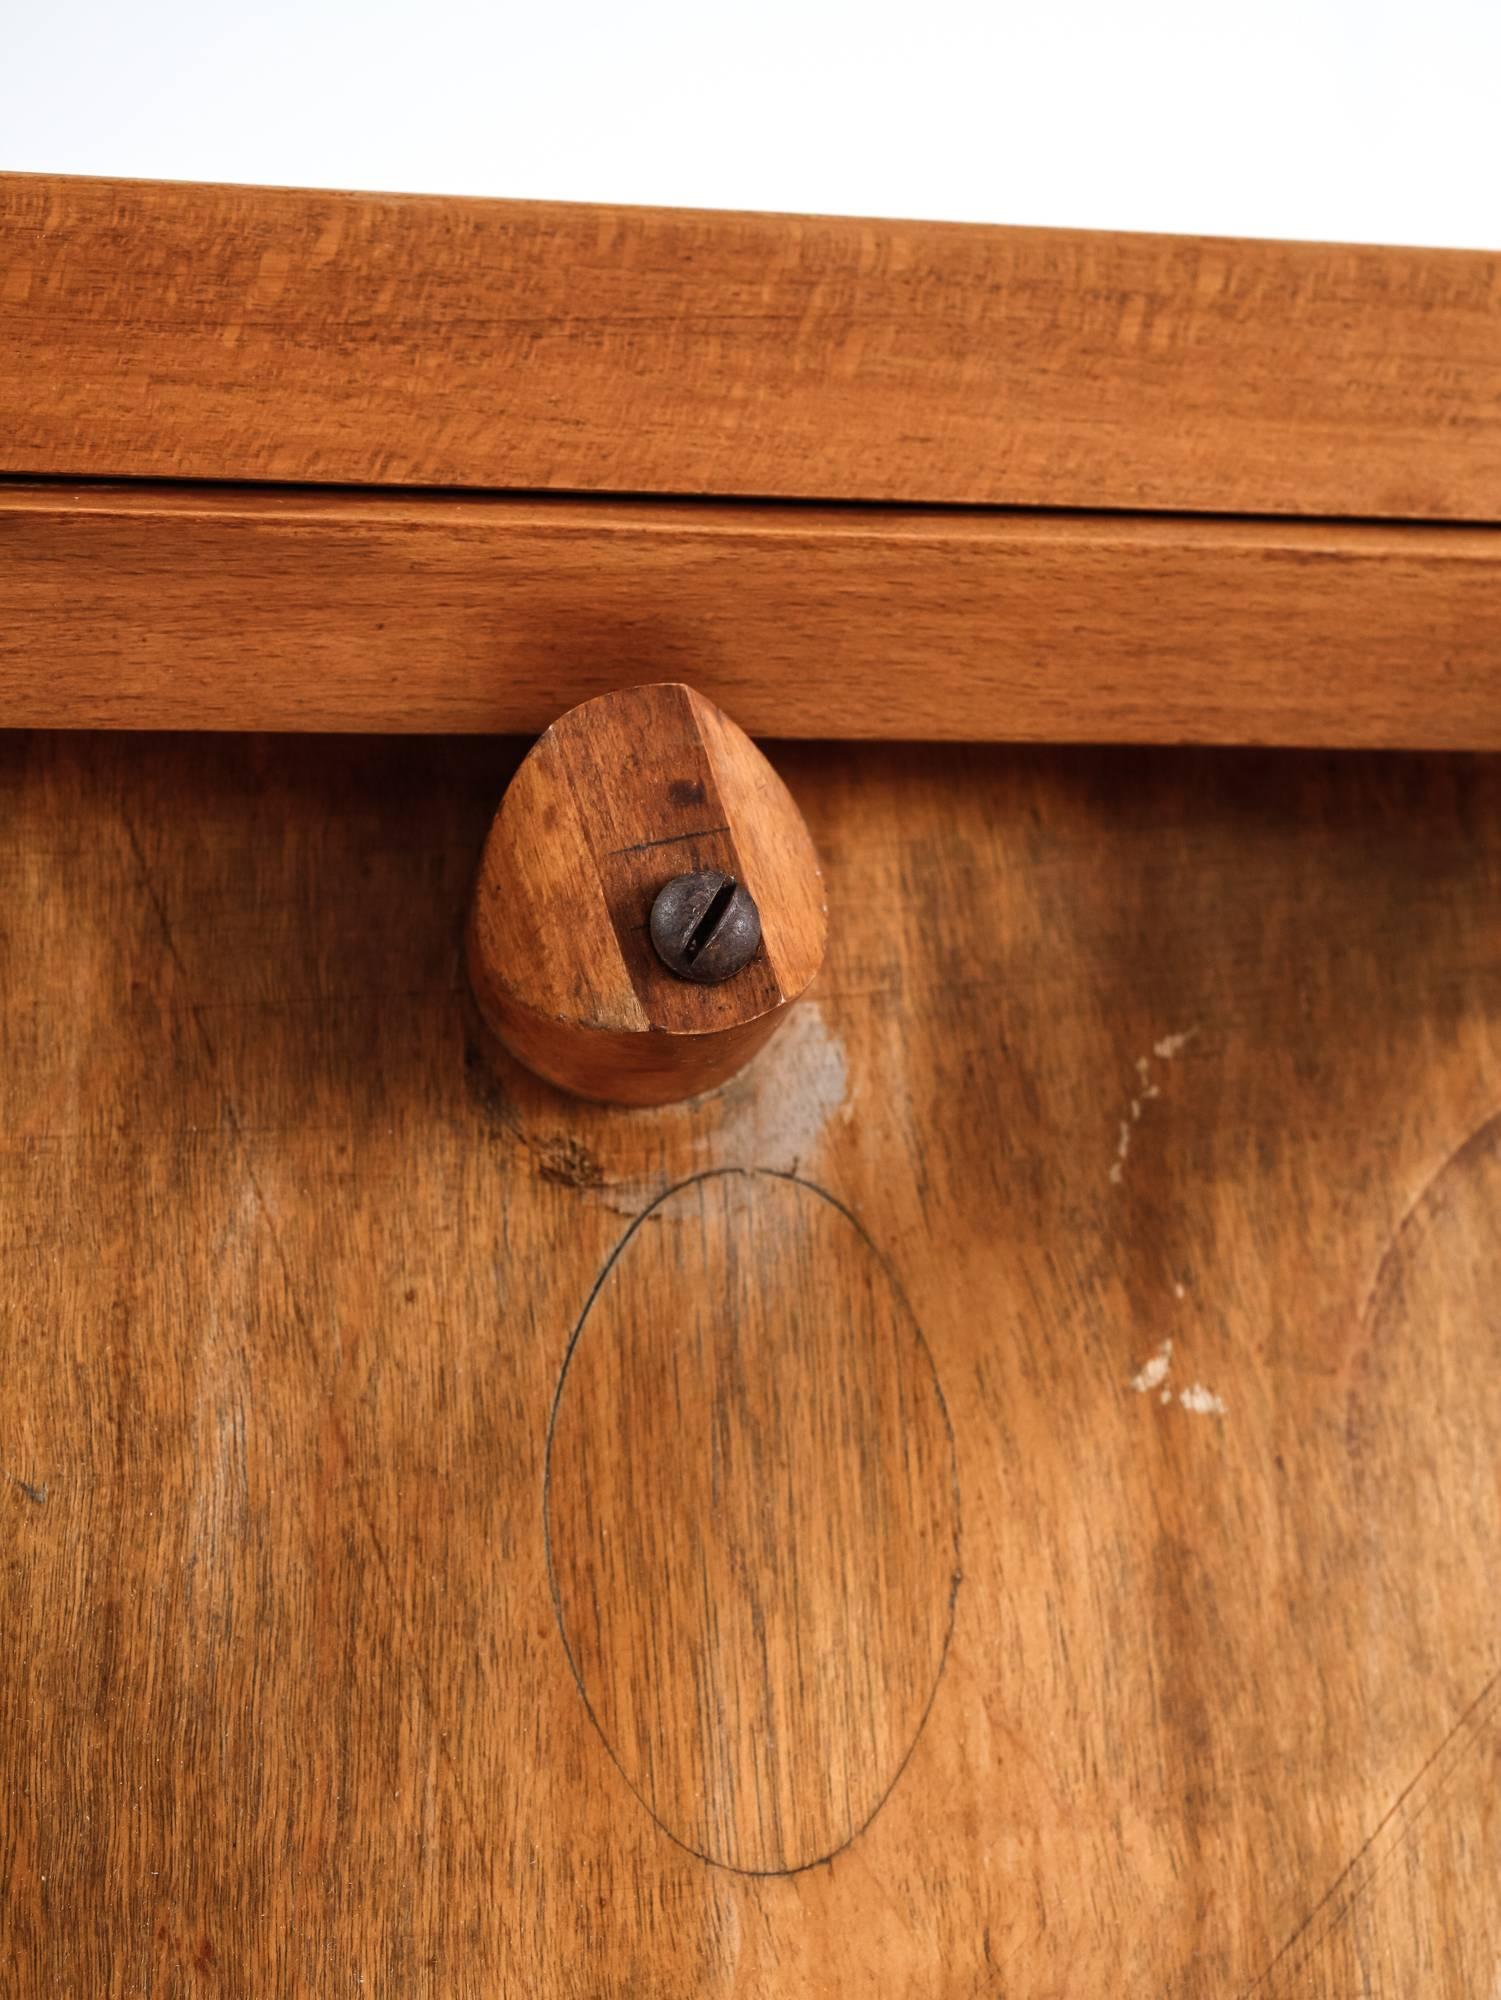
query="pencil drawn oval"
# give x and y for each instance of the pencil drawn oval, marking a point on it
(752, 1519)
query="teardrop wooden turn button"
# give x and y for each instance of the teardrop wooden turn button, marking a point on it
(615, 801)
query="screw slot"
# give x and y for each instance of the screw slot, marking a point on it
(712, 918)
(705, 926)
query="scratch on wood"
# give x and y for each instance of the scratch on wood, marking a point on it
(670, 840)
(1391, 1833)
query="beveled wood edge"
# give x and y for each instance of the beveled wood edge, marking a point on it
(220, 608)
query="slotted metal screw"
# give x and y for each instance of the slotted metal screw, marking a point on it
(705, 926)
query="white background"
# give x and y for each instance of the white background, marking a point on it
(1339, 119)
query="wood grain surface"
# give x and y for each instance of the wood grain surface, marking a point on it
(1164, 1088)
(152, 330)
(614, 799)
(133, 608)
(753, 1522)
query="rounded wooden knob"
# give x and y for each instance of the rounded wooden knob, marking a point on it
(618, 799)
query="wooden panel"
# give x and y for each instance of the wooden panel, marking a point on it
(242, 610)
(152, 330)
(752, 1521)
(1168, 1090)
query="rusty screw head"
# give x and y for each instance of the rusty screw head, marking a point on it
(705, 926)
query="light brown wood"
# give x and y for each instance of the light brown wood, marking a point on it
(718, 1536)
(1112, 1050)
(152, 330)
(615, 799)
(155, 608)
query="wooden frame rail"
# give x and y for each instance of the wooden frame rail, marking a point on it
(247, 609)
(153, 330)
(443, 464)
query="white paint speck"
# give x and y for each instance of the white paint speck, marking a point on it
(1152, 1374)
(1179, 1292)
(1173, 1045)
(1122, 1148)
(1165, 1050)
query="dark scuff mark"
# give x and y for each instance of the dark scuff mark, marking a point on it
(566, 1162)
